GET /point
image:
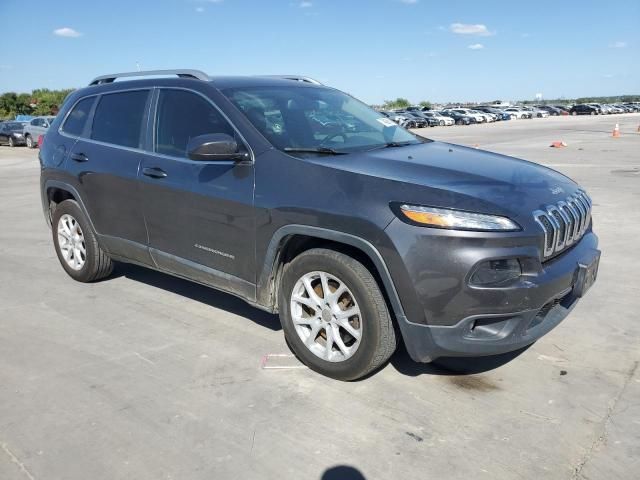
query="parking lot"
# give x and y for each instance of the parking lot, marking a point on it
(146, 376)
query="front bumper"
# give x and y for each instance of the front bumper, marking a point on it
(456, 320)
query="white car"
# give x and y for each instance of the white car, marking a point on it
(442, 120)
(480, 118)
(489, 117)
(536, 112)
(515, 112)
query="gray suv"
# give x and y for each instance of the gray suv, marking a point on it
(357, 232)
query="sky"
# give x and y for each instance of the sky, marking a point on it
(440, 51)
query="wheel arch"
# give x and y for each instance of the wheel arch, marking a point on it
(55, 192)
(291, 240)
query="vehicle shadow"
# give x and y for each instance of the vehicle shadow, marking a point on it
(450, 366)
(342, 472)
(198, 293)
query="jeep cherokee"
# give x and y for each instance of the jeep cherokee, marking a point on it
(357, 232)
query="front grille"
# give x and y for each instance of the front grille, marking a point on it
(564, 223)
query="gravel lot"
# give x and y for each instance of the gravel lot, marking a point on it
(144, 376)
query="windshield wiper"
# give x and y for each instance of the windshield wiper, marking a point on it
(394, 144)
(325, 150)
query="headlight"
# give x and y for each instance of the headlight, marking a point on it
(457, 219)
(19, 135)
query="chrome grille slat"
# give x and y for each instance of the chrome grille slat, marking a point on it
(564, 223)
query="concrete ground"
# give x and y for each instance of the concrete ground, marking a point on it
(144, 376)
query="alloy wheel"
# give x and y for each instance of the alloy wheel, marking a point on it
(326, 316)
(71, 242)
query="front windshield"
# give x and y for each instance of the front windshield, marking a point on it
(314, 118)
(14, 126)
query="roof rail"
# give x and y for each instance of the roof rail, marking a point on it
(196, 74)
(296, 78)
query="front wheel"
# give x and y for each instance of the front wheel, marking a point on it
(30, 143)
(334, 315)
(11, 142)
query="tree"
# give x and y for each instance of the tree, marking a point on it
(38, 102)
(425, 104)
(396, 104)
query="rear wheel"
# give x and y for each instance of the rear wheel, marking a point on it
(11, 142)
(77, 246)
(334, 315)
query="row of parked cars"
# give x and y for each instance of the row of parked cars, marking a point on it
(14, 133)
(420, 117)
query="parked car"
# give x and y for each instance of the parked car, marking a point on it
(11, 134)
(359, 240)
(459, 118)
(535, 112)
(430, 122)
(598, 108)
(500, 114)
(517, 112)
(404, 121)
(418, 120)
(441, 119)
(488, 117)
(552, 111)
(583, 109)
(479, 117)
(36, 127)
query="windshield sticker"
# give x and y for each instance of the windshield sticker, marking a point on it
(386, 122)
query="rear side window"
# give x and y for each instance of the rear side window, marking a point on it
(118, 118)
(183, 115)
(77, 119)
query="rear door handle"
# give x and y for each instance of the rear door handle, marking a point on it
(79, 157)
(154, 172)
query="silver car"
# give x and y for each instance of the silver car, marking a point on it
(36, 127)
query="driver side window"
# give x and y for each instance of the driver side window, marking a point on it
(182, 115)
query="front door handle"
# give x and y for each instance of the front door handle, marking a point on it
(154, 172)
(79, 157)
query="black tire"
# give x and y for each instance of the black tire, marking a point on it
(378, 340)
(30, 142)
(441, 123)
(11, 142)
(97, 264)
(592, 113)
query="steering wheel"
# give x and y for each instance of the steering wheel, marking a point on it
(332, 136)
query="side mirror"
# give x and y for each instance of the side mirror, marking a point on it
(214, 146)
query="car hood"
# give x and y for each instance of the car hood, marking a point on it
(447, 175)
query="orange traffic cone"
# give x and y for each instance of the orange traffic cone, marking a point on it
(558, 144)
(616, 131)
